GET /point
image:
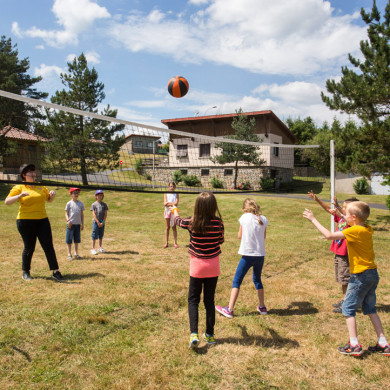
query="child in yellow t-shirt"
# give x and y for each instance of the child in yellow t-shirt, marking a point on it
(364, 276)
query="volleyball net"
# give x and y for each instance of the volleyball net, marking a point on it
(146, 158)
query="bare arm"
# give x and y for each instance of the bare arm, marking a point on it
(176, 202)
(323, 230)
(240, 232)
(313, 196)
(9, 200)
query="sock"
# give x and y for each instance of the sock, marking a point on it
(382, 341)
(353, 341)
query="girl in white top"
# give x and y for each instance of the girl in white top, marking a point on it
(252, 233)
(170, 199)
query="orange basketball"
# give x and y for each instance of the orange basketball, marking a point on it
(178, 86)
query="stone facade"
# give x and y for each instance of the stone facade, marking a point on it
(225, 174)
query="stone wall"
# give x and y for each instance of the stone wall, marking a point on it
(252, 174)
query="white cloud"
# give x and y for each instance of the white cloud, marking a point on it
(48, 71)
(91, 56)
(283, 37)
(74, 17)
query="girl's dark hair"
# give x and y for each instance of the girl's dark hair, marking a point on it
(24, 169)
(171, 182)
(205, 210)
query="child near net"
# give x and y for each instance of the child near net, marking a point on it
(171, 199)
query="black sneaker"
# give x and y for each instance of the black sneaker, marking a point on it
(385, 351)
(338, 310)
(26, 276)
(57, 276)
(357, 350)
(338, 304)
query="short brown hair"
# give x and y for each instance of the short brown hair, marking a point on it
(360, 209)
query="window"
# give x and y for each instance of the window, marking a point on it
(182, 151)
(204, 172)
(204, 150)
(138, 144)
(32, 148)
(228, 172)
(275, 151)
(150, 145)
(183, 171)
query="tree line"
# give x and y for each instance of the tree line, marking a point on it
(362, 144)
(77, 143)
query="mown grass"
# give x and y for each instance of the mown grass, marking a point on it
(121, 322)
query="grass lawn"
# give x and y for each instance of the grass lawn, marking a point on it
(121, 322)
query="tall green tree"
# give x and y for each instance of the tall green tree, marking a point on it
(305, 130)
(236, 153)
(364, 91)
(87, 144)
(14, 78)
(344, 149)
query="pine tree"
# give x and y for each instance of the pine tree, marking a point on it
(365, 90)
(80, 143)
(14, 78)
(235, 153)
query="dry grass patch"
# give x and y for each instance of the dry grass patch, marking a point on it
(121, 321)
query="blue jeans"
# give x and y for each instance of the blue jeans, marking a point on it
(245, 263)
(361, 293)
(97, 232)
(73, 234)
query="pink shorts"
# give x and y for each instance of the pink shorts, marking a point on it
(204, 268)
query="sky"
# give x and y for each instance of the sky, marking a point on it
(250, 54)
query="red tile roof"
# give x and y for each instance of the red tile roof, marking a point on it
(17, 134)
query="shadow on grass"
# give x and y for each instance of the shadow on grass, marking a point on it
(122, 252)
(299, 186)
(384, 221)
(295, 309)
(382, 308)
(24, 353)
(72, 277)
(273, 341)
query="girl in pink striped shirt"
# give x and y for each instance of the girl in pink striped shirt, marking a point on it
(206, 235)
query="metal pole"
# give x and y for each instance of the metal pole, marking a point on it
(153, 161)
(332, 183)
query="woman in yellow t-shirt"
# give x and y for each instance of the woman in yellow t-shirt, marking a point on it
(32, 221)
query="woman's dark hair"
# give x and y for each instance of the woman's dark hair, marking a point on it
(25, 168)
(205, 210)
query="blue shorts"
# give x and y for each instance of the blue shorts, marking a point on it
(73, 234)
(245, 263)
(361, 293)
(97, 232)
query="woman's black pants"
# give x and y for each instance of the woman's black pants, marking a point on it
(30, 230)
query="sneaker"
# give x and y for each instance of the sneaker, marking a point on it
(357, 350)
(338, 304)
(194, 341)
(385, 351)
(338, 310)
(70, 257)
(77, 257)
(209, 338)
(26, 275)
(94, 251)
(224, 311)
(101, 250)
(57, 276)
(262, 310)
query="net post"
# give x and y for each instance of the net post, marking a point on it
(332, 183)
